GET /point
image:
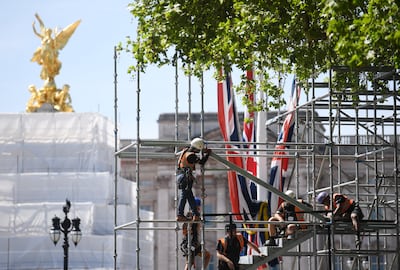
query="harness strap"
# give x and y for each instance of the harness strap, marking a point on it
(181, 156)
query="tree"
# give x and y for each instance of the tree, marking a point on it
(365, 32)
(287, 36)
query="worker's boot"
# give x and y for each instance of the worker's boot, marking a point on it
(181, 218)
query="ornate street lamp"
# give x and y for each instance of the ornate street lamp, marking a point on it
(66, 226)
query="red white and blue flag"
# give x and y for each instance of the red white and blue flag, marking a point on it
(280, 160)
(239, 192)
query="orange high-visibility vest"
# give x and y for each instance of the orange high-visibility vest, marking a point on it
(183, 160)
(345, 205)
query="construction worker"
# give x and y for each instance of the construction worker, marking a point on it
(344, 209)
(196, 153)
(229, 248)
(285, 212)
(195, 246)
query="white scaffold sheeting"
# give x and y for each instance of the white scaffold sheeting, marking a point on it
(51, 187)
(35, 218)
(92, 252)
(56, 142)
(25, 242)
(46, 158)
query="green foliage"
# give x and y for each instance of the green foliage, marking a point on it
(365, 33)
(282, 37)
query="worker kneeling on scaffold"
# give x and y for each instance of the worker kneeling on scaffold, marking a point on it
(285, 212)
(344, 209)
(189, 157)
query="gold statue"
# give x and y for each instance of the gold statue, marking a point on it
(33, 103)
(63, 100)
(47, 56)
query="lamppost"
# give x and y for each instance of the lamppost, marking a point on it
(67, 226)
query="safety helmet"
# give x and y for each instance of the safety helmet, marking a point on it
(321, 197)
(197, 143)
(198, 201)
(290, 193)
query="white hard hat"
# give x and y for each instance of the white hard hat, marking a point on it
(290, 193)
(197, 143)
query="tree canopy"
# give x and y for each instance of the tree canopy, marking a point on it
(305, 38)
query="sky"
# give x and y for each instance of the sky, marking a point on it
(88, 65)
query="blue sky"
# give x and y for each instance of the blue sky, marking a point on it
(88, 64)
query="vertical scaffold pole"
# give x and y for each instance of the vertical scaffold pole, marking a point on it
(138, 167)
(331, 255)
(203, 194)
(176, 150)
(189, 136)
(396, 161)
(115, 156)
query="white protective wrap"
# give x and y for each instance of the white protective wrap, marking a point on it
(46, 158)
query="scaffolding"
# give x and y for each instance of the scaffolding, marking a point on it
(340, 145)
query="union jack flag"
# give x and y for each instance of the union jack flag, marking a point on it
(240, 195)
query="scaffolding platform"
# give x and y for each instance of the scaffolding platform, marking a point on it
(250, 262)
(341, 227)
(366, 226)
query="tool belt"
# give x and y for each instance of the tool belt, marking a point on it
(184, 178)
(186, 171)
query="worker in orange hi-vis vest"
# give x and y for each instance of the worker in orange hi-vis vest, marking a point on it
(230, 246)
(286, 212)
(344, 209)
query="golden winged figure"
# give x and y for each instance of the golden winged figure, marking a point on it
(49, 98)
(47, 54)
